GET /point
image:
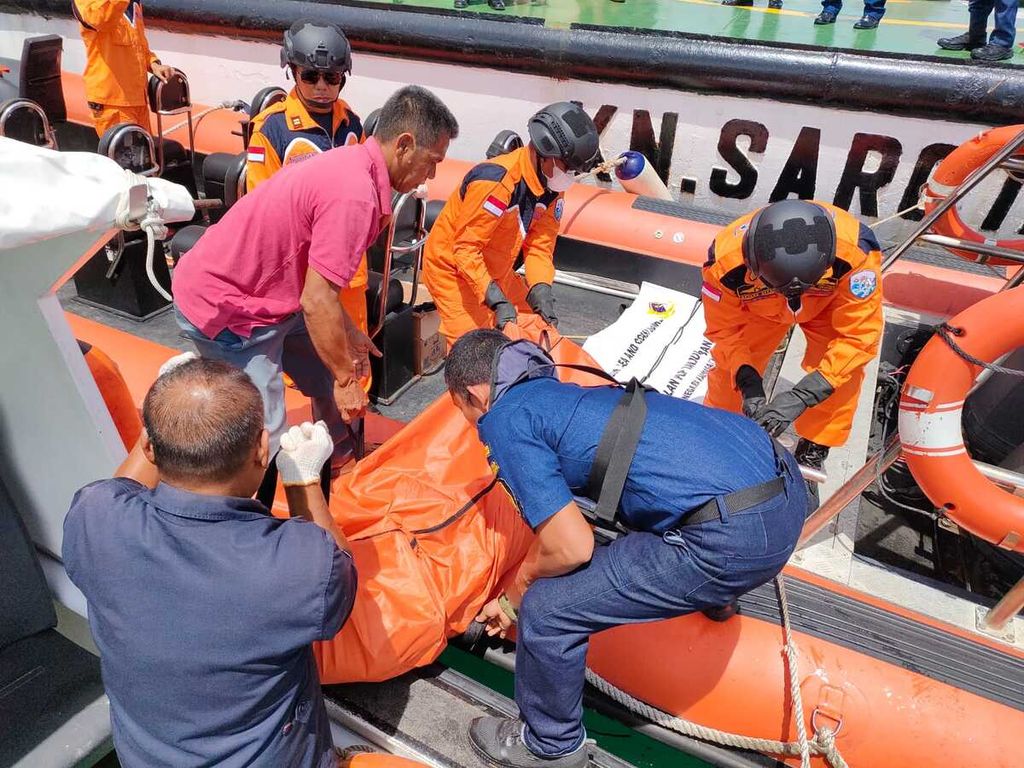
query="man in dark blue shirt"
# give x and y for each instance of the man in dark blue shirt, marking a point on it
(203, 606)
(714, 507)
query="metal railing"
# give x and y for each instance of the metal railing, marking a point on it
(1000, 615)
(391, 250)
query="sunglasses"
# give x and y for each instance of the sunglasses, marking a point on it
(312, 76)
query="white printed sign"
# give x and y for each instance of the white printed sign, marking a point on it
(659, 340)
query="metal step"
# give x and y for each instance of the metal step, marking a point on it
(425, 715)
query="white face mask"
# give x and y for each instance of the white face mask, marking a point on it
(559, 180)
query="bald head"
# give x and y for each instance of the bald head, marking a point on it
(204, 420)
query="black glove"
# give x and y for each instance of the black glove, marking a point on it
(504, 311)
(543, 303)
(784, 409)
(750, 385)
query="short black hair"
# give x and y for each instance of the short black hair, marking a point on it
(204, 420)
(415, 110)
(471, 360)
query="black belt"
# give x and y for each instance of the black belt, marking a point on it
(738, 502)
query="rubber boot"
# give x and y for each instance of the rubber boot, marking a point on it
(812, 455)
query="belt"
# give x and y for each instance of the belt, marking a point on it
(738, 502)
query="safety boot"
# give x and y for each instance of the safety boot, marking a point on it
(825, 17)
(965, 42)
(811, 455)
(738, 3)
(499, 740)
(723, 612)
(992, 52)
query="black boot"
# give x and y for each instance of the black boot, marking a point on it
(992, 52)
(965, 42)
(811, 455)
(738, 3)
(722, 613)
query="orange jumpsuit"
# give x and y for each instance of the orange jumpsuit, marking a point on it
(500, 208)
(841, 318)
(117, 61)
(285, 133)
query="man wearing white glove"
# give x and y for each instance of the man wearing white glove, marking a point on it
(202, 605)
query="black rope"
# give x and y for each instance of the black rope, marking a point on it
(946, 332)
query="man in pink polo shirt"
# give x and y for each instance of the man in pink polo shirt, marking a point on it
(260, 288)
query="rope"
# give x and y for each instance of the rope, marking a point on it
(823, 744)
(236, 106)
(916, 206)
(946, 332)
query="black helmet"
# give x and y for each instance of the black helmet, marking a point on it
(316, 46)
(790, 245)
(565, 131)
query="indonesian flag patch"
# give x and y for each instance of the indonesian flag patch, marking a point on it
(712, 293)
(495, 206)
(256, 155)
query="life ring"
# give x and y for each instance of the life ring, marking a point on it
(931, 408)
(950, 173)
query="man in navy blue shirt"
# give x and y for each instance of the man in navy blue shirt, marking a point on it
(203, 606)
(714, 507)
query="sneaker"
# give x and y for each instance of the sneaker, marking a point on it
(964, 42)
(738, 3)
(991, 52)
(499, 740)
(866, 22)
(776, 4)
(825, 17)
(461, 4)
(498, 5)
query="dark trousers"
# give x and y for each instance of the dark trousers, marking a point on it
(1005, 20)
(640, 577)
(872, 8)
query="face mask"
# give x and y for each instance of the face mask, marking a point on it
(559, 180)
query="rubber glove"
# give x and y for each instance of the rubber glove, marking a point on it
(176, 362)
(304, 449)
(504, 311)
(543, 303)
(784, 409)
(751, 386)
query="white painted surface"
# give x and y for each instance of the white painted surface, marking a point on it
(486, 101)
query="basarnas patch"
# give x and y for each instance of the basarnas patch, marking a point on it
(558, 208)
(863, 283)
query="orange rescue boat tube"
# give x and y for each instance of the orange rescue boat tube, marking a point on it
(931, 408)
(951, 173)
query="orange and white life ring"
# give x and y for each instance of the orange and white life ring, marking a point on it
(950, 173)
(931, 408)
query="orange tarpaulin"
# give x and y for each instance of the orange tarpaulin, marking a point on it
(433, 537)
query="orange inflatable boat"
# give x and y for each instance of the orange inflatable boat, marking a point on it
(433, 541)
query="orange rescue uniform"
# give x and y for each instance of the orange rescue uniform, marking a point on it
(285, 133)
(117, 61)
(500, 208)
(841, 318)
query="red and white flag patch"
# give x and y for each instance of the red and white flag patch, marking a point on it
(710, 291)
(495, 206)
(256, 155)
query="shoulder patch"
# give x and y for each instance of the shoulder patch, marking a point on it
(559, 206)
(863, 283)
(483, 172)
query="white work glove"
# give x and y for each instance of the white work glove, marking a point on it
(177, 361)
(304, 450)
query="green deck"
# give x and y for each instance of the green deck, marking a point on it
(909, 26)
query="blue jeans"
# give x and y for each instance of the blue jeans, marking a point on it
(1005, 20)
(874, 9)
(269, 351)
(640, 577)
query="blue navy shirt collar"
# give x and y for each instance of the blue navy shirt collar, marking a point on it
(198, 506)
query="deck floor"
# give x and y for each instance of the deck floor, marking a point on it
(909, 27)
